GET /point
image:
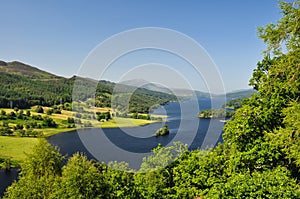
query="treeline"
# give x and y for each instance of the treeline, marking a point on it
(227, 111)
(25, 123)
(22, 92)
(215, 113)
(233, 104)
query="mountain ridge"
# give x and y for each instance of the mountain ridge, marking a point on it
(24, 86)
(20, 68)
(34, 73)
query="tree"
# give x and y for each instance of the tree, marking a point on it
(103, 116)
(86, 182)
(71, 120)
(5, 130)
(3, 113)
(275, 183)
(49, 111)
(250, 134)
(39, 109)
(155, 177)
(287, 138)
(18, 127)
(162, 131)
(195, 172)
(285, 33)
(12, 115)
(49, 122)
(38, 174)
(162, 156)
(120, 180)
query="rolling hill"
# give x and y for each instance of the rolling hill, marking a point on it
(20, 68)
(186, 93)
(239, 94)
(181, 93)
(23, 86)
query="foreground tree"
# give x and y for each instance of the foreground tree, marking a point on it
(275, 183)
(39, 172)
(262, 140)
(80, 179)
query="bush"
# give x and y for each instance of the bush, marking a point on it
(103, 116)
(5, 131)
(3, 113)
(56, 111)
(71, 120)
(12, 115)
(39, 109)
(78, 115)
(37, 117)
(49, 122)
(87, 124)
(49, 111)
(18, 127)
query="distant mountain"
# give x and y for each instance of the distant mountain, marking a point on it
(183, 93)
(186, 93)
(239, 94)
(20, 68)
(191, 93)
(140, 83)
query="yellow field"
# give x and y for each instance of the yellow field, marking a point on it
(124, 122)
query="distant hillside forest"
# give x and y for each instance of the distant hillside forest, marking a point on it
(24, 86)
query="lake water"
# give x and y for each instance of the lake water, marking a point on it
(132, 144)
(6, 178)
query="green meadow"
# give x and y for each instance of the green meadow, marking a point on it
(15, 148)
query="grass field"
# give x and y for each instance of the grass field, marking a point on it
(16, 147)
(124, 122)
(60, 119)
(52, 131)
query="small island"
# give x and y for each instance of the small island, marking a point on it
(162, 131)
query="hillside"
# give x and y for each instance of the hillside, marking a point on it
(20, 68)
(182, 93)
(23, 92)
(24, 86)
(240, 94)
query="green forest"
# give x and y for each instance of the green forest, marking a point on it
(259, 158)
(33, 88)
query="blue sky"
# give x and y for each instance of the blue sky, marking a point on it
(57, 35)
